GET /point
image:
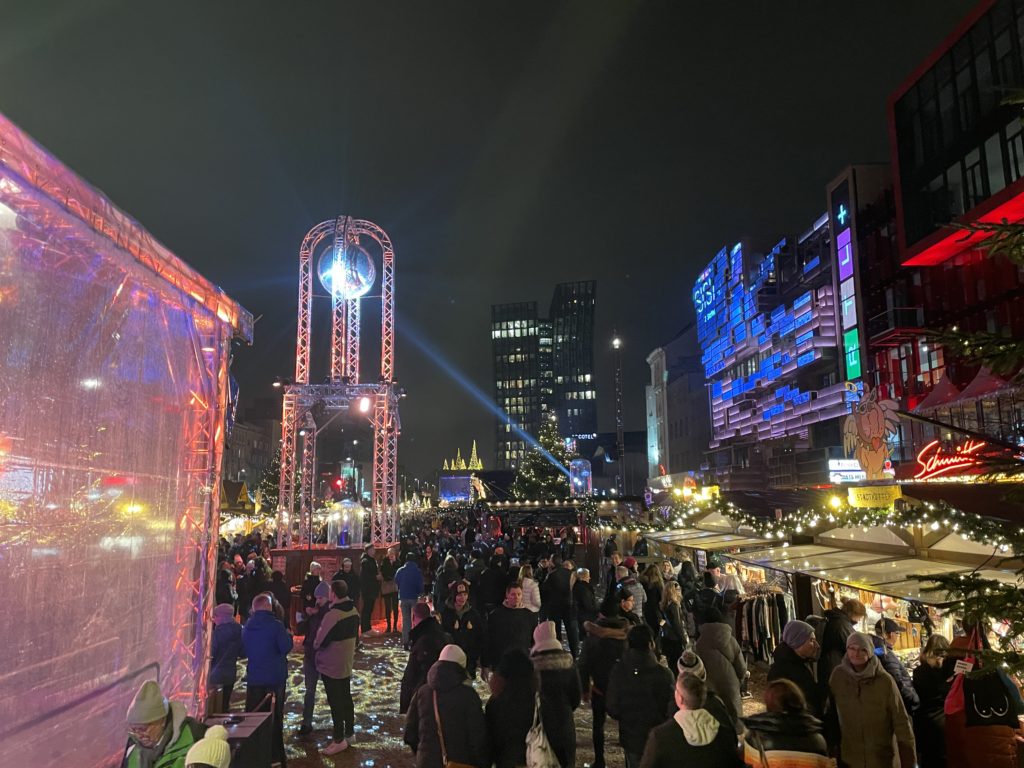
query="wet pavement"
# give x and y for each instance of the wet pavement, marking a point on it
(375, 687)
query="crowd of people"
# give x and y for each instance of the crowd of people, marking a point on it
(652, 646)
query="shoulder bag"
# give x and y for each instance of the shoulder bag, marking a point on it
(440, 737)
(539, 753)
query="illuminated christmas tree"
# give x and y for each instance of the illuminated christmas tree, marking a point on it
(537, 476)
(269, 489)
(474, 461)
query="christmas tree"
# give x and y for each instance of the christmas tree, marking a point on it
(537, 477)
(269, 488)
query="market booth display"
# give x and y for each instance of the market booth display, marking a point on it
(114, 358)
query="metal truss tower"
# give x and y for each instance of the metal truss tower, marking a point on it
(304, 402)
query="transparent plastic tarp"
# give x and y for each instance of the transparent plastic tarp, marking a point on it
(113, 380)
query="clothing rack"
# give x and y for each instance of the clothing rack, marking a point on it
(759, 619)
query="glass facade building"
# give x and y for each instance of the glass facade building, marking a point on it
(544, 364)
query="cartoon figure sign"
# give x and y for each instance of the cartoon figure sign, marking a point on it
(865, 432)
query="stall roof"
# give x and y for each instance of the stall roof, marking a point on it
(943, 393)
(983, 384)
(708, 540)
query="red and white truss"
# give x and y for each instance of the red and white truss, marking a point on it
(344, 391)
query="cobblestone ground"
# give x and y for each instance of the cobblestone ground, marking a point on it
(375, 686)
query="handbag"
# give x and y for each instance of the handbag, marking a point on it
(440, 737)
(539, 753)
(388, 587)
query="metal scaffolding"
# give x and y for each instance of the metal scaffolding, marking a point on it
(378, 402)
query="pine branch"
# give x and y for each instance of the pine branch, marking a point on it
(1003, 355)
(1004, 238)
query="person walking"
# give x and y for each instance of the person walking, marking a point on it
(427, 638)
(723, 659)
(603, 645)
(640, 692)
(389, 590)
(369, 586)
(308, 628)
(225, 650)
(585, 599)
(933, 678)
(409, 579)
(267, 644)
(508, 626)
(654, 589)
(796, 660)
(692, 737)
(464, 624)
(839, 624)
(531, 590)
(335, 646)
(445, 725)
(786, 734)
(559, 606)
(874, 727)
(509, 710)
(886, 635)
(559, 692)
(674, 637)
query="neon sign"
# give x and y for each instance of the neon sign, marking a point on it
(933, 461)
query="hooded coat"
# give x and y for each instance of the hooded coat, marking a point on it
(724, 663)
(462, 719)
(602, 648)
(789, 740)
(788, 665)
(694, 739)
(836, 629)
(426, 640)
(559, 698)
(640, 691)
(873, 722)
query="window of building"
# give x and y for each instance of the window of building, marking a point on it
(994, 163)
(974, 185)
(1015, 148)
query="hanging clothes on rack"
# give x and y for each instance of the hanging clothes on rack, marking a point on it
(760, 619)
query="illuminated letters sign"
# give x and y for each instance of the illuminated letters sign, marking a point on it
(851, 348)
(844, 259)
(873, 496)
(933, 461)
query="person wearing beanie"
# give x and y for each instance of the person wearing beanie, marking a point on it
(560, 693)
(225, 651)
(604, 642)
(690, 665)
(308, 629)
(692, 737)
(427, 638)
(796, 660)
(160, 732)
(211, 751)
(458, 732)
(335, 647)
(640, 691)
(267, 644)
(464, 623)
(874, 727)
(409, 580)
(723, 659)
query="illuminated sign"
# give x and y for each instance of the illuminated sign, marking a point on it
(845, 270)
(873, 496)
(845, 471)
(851, 348)
(933, 461)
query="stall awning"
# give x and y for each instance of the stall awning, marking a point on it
(711, 541)
(943, 393)
(984, 383)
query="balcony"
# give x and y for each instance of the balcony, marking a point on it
(896, 326)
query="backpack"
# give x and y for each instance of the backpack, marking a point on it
(539, 753)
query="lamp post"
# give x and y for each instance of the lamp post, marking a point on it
(620, 438)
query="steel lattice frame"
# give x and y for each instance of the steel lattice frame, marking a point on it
(343, 390)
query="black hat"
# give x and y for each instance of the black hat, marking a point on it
(885, 626)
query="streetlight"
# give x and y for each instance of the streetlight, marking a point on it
(620, 437)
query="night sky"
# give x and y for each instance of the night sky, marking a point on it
(504, 147)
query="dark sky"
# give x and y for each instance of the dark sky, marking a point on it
(505, 146)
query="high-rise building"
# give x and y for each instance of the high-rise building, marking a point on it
(544, 364)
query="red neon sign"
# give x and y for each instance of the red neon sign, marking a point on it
(933, 461)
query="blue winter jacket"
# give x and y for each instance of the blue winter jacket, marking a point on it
(409, 579)
(225, 648)
(267, 644)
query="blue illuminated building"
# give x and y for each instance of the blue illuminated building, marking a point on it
(766, 326)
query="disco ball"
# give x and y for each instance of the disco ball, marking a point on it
(346, 273)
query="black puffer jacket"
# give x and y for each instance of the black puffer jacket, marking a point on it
(639, 693)
(586, 602)
(507, 628)
(426, 641)
(462, 719)
(788, 665)
(837, 629)
(602, 648)
(784, 731)
(559, 698)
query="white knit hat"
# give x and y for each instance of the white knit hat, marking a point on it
(545, 638)
(213, 749)
(148, 706)
(452, 652)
